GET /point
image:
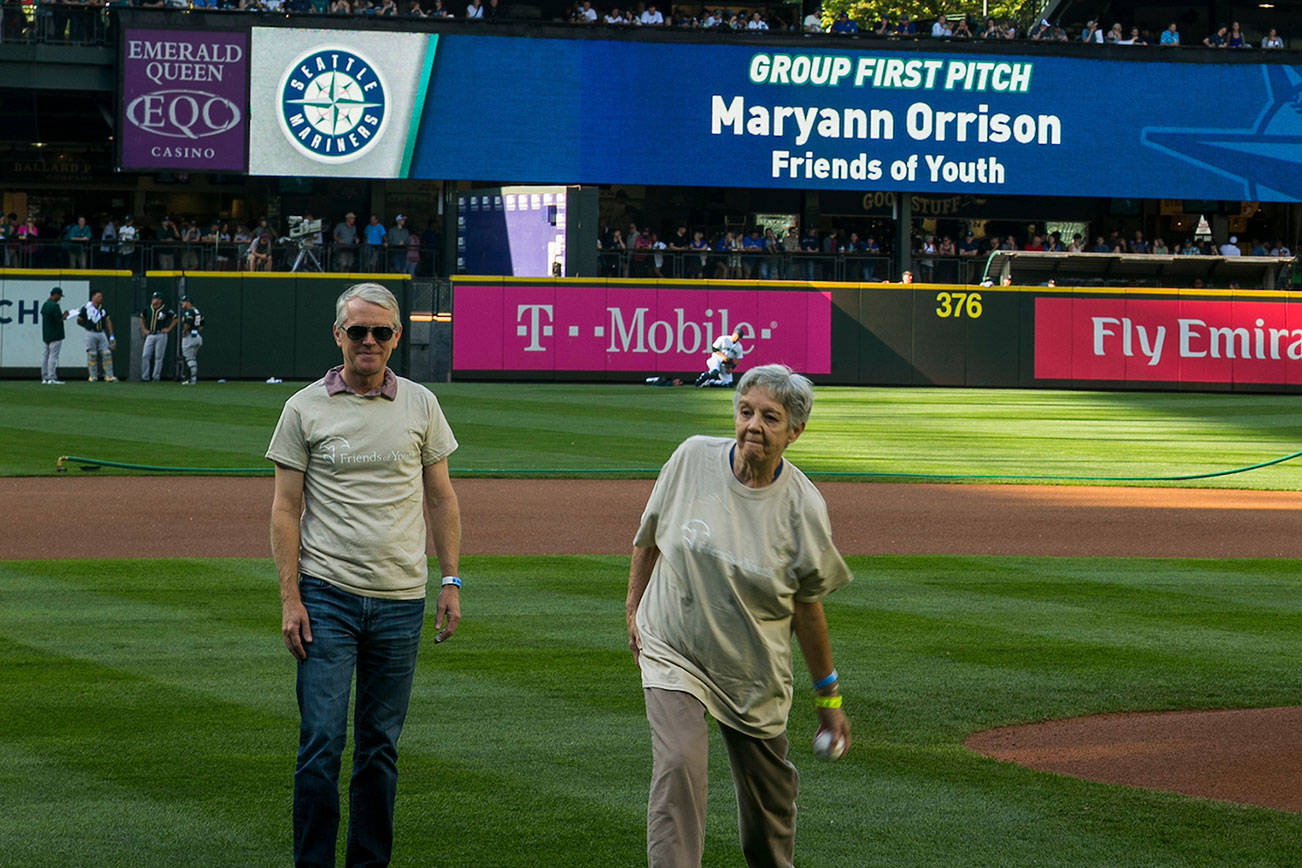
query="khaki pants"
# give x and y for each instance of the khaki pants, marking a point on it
(765, 782)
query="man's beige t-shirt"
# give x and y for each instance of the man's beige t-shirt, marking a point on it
(716, 616)
(363, 526)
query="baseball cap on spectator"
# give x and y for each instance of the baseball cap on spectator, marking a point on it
(157, 294)
(401, 217)
(56, 291)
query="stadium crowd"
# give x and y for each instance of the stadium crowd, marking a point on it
(81, 21)
(855, 253)
(965, 27)
(218, 245)
(852, 252)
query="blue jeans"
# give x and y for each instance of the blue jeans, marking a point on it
(379, 639)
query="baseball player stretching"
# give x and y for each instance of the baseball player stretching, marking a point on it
(156, 323)
(725, 352)
(191, 339)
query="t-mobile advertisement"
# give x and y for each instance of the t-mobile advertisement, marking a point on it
(184, 100)
(1168, 340)
(656, 330)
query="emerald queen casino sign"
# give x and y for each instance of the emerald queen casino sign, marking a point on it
(183, 100)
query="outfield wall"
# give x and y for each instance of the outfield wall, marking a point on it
(256, 326)
(24, 290)
(883, 334)
(261, 325)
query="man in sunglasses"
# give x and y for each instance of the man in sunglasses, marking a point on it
(361, 464)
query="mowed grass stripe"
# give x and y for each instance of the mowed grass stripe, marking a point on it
(58, 815)
(523, 703)
(522, 427)
(165, 683)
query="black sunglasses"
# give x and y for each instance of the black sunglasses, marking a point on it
(357, 333)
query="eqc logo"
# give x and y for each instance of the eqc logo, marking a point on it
(332, 105)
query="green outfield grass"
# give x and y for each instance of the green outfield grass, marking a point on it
(149, 716)
(1016, 435)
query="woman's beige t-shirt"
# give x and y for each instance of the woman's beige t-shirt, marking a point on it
(716, 616)
(363, 525)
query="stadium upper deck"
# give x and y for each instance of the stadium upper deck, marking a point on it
(716, 138)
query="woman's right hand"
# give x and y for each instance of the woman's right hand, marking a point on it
(634, 640)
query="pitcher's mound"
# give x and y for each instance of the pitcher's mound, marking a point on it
(1251, 756)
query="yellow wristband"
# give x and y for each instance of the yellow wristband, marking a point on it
(827, 701)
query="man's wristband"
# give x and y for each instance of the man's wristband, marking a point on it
(827, 701)
(827, 680)
(451, 580)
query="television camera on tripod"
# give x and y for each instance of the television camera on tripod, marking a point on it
(306, 233)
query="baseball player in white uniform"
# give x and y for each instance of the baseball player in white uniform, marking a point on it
(100, 340)
(725, 352)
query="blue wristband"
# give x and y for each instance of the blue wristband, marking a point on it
(451, 580)
(830, 679)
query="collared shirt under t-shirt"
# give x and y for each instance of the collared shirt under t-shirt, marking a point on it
(716, 617)
(363, 527)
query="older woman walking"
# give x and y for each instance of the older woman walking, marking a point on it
(733, 555)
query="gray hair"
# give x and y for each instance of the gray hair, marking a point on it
(372, 292)
(793, 391)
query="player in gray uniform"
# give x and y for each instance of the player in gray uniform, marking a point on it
(191, 339)
(100, 340)
(156, 323)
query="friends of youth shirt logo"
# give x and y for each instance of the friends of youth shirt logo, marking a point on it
(333, 105)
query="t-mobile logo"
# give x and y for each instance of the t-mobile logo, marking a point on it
(529, 324)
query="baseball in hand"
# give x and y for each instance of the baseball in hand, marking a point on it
(828, 745)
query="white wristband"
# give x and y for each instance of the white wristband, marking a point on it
(451, 580)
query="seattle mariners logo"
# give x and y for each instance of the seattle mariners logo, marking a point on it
(333, 104)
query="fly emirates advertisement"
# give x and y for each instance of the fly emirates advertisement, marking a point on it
(1168, 340)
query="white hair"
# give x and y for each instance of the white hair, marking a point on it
(793, 391)
(371, 292)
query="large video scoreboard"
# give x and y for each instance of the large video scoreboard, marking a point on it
(308, 102)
